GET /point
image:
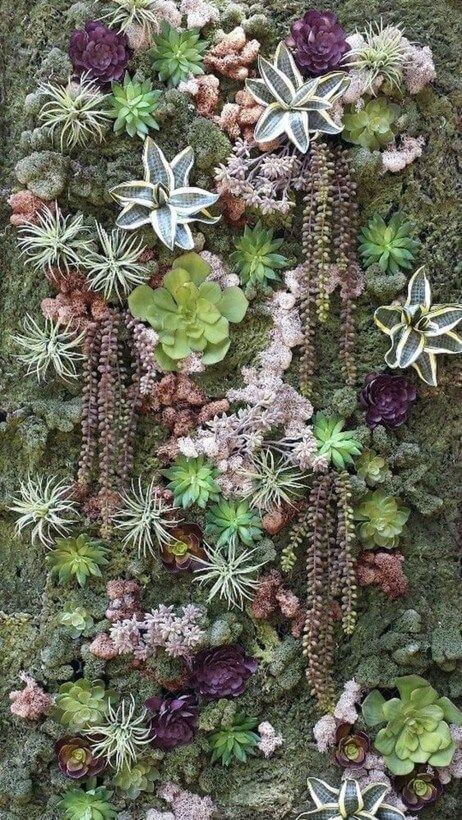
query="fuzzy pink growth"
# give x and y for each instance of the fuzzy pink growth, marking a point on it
(103, 647)
(384, 570)
(31, 702)
(233, 55)
(25, 207)
(185, 805)
(125, 599)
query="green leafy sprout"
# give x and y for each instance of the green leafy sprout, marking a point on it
(79, 558)
(51, 347)
(177, 54)
(337, 445)
(235, 742)
(231, 573)
(232, 521)
(82, 703)
(192, 481)
(371, 126)
(389, 246)
(92, 804)
(121, 737)
(256, 259)
(144, 517)
(77, 111)
(381, 519)
(112, 266)
(383, 53)
(272, 482)
(45, 505)
(55, 240)
(132, 106)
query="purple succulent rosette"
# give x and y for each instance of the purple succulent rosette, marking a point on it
(222, 672)
(318, 42)
(174, 722)
(386, 398)
(99, 51)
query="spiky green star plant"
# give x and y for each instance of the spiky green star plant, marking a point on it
(55, 240)
(76, 111)
(256, 258)
(231, 574)
(235, 742)
(113, 268)
(337, 445)
(389, 246)
(272, 481)
(192, 481)
(350, 802)
(78, 558)
(49, 347)
(177, 54)
(92, 804)
(122, 736)
(144, 517)
(133, 105)
(232, 521)
(45, 505)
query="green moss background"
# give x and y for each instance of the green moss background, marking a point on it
(421, 632)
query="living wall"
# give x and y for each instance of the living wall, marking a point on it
(230, 417)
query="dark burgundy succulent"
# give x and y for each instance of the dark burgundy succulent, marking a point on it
(351, 747)
(386, 398)
(221, 672)
(318, 42)
(419, 789)
(75, 758)
(181, 553)
(174, 720)
(100, 51)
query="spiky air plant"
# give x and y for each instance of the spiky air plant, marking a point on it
(45, 505)
(272, 481)
(114, 268)
(145, 518)
(125, 14)
(177, 54)
(349, 802)
(294, 108)
(231, 574)
(55, 240)
(382, 53)
(77, 112)
(51, 347)
(122, 736)
(164, 199)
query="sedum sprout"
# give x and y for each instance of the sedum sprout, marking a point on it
(272, 482)
(230, 574)
(49, 347)
(45, 505)
(121, 737)
(128, 13)
(76, 110)
(114, 269)
(77, 557)
(55, 240)
(145, 517)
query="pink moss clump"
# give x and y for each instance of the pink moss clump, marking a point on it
(31, 702)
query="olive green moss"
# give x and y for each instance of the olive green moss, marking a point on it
(419, 633)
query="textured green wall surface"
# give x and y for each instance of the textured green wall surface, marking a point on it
(43, 436)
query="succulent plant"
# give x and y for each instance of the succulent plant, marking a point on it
(92, 804)
(372, 468)
(256, 258)
(76, 111)
(318, 42)
(294, 108)
(133, 780)
(46, 505)
(230, 573)
(371, 126)
(76, 758)
(132, 106)
(174, 721)
(190, 313)
(182, 551)
(222, 672)
(81, 703)
(337, 445)
(387, 397)
(349, 802)
(351, 747)
(416, 729)
(231, 521)
(389, 246)
(77, 557)
(177, 54)
(112, 265)
(419, 330)
(120, 736)
(419, 789)
(381, 51)
(52, 347)
(164, 199)
(234, 742)
(99, 51)
(381, 520)
(192, 481)
(77, 620)
(272, 481)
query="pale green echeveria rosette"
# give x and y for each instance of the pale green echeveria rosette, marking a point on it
(419, 331)
(294, 108)
(349, 802)
(164, 199)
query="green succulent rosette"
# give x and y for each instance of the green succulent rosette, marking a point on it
(390, 246)
(132, 106)
(337, 445)
(231, 521)
(192, 481)
(257, 260)
(81, 703)
(177, 54)
(371, 126)
(381, 519)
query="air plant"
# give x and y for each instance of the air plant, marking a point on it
(129, 13)
(114, 268)
(133, 105)
(256, 258)
(389, 246)
(79, 558)
(45, 505)
(235, 742)
(192, 481)
(55, 240)
(272, 481)
(49, 347)
(122, 736)
(294, 108)
(231, 573)
(337, 445)
(177, 54)
(164, 199)
(381, 54)
(145, 517)
(77, 111)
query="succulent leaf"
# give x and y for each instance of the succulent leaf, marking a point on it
(177, 54)
(371, 126)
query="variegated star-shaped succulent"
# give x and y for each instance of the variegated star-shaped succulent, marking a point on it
(420, 330)
(294, 107)
(350, 802)
(164, 198)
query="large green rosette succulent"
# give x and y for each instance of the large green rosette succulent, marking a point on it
(381, 519)
(190, 313)
(416, 729)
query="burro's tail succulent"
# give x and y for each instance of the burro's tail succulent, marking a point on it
(416, 725)
(349, 802)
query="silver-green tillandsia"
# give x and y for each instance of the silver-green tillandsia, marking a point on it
(420, 330)
(349, 802)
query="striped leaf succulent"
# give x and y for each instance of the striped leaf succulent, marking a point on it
(294, 108)
(349, 802)
(419, 331)
(164, 199)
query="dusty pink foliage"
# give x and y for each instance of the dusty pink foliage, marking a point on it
(384, 569)
(103, 647)
(31, 702)
(25, 207)
(233, 55)
(185, 805)
(125, 599)
(269, 739)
